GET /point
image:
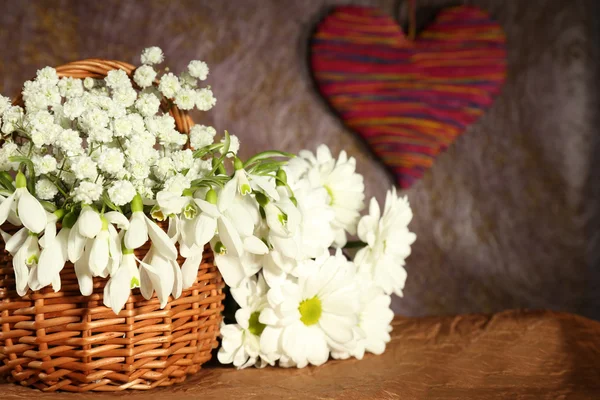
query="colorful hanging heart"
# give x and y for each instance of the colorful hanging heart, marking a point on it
(409, 99)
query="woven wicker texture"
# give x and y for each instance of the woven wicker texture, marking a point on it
(66, 341)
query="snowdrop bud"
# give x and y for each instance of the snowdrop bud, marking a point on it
(88, 83)
(238, 164)
(281, 178)
(137, 203)
(69, 220)
(20, 180)
(211, 196)
(262, 199)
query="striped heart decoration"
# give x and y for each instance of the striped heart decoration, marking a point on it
(409, 99)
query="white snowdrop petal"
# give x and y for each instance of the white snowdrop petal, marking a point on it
(161, 240)
(31, 212)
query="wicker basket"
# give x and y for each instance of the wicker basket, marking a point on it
(66, 341)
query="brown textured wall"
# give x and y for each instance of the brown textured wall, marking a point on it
(506, 218)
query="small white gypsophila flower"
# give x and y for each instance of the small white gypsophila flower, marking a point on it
(137, 122)
(7, 150)
(152, 55)
(201, 136)
(43, 165)
(88, 192)
(198, 69)
(182, 159)
(94, 118)
(187, 80)
(45, 190)
(185, 99)
(117, 79)
(84, 168)
(125, 97)
(169, 85)
(100, 135)
(111, 161)
(47, 76)
(138, 170)
(89, 83)
(145, 187)
(70, 87)
(70, 142)
(4, 104)
(46, 136)
(205, 100)
(164, 168)
(177, 184)
(121, 192)
(160, 124)
(73, 108)
(122, 127)
(147, 104)
(11, 117)
(234, 144)
(144, 76)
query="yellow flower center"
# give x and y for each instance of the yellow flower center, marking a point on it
(310, 311)
(254, 325)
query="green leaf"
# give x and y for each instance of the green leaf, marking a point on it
(267, 154)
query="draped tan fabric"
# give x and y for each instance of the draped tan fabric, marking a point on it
(512, 355)
(507, 217)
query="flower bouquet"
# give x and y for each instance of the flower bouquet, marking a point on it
(116, 209)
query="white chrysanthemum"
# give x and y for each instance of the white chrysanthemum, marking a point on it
(111, 161)
(388, 243)
(339, 177)
(169, 85)
(125, 97)
(121, 192)
(241, 341)
(205, 100)
(44, 165)
(185, 99)
(182, 159)
(4, 104)
(70, 87)
(100, 135)
(117, 79)
(144, 76)
(70, 142)
(84, 168)
(201, 136)
(198, 69)
(373, 330)
(177, 184)
(147, 104)
(47, 76)
(88, 192)
(45, 190)
(73, 108)
(152, 55)
(318, 313)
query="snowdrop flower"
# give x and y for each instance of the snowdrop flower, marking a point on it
(201, 136)
(304, 320)
(28, 208)
(388, 243)
(283, 217)
(24, 259)
(373, 330)
(198, 69)
(141, 228)
(105, 253)
(152, 55)
(161, 275)
(122, 280)
(344, 186)
(241, 341)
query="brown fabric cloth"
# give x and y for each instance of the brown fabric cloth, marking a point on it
(517, 355)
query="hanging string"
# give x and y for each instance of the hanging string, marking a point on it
(412, 19)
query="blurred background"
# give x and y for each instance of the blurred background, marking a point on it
(508, 217)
